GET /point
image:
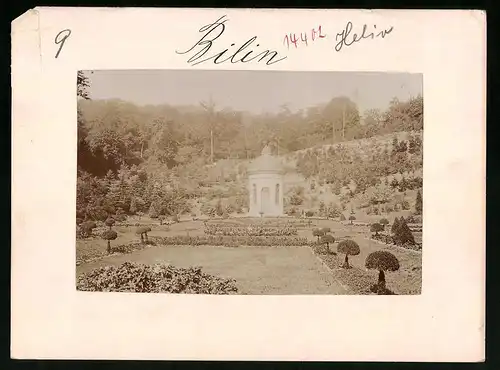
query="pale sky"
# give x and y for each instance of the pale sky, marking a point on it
(253, 91)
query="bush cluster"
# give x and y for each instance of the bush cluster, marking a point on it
(158, 278)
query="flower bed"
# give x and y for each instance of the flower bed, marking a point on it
(257, 230)
(90, 253)
(137, 224)
(231, 241)
(158, 278)
(260, 222)
(356, 280)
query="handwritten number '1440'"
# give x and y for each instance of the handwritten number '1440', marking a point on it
(61, 39)
(292, 39)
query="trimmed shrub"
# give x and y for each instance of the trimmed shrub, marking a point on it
(418, 203)
(349, 248)
(143, 232)
(318, 233)
(395, 226)
(110, 221)
(381, 261)
(403, 234)
(384, 222)
(327, 239)
(109, 235)
(376, 228)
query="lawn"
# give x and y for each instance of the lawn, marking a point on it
(265, 270)
(287, 270)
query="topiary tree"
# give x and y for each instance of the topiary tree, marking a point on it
(110, 221)
(352, 218)
(327, 239)
(376, 227)
(143, 232)
(342, 217)
(382, 261)
(109, 235)
(349, 248)
(395, 226)
(384, 222)
(403, 234)
(318, 233)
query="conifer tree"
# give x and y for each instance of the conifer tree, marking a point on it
(395, 226)
(418, 203)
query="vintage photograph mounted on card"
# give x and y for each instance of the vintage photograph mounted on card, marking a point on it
(249, 182)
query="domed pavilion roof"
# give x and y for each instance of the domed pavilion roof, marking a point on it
(266, 163)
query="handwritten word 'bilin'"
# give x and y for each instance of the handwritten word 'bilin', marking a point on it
(291, 38)
(243, 54)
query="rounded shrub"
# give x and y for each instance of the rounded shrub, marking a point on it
(384, 222)
(382, 261)
(376, 228)
(318, 233)
(143, 232)
(110, 221)
(327, 239)
(109, 235)
(349, 248)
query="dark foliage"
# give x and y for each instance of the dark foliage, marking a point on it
(158, 278)
(382, 260)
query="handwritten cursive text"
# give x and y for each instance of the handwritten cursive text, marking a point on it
(345, 38)
(243, 54)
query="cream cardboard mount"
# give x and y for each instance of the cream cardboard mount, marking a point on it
(52, 320)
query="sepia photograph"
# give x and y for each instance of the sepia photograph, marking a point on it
(249, 182)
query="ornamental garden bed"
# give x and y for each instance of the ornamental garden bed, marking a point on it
(232, 241)
(251, 230)
(157, 278)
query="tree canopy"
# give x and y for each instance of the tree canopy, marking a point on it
(382, 260)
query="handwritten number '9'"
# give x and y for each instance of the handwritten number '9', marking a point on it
(61, 39)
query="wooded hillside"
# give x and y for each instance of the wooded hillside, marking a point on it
(167, 159)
